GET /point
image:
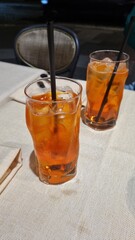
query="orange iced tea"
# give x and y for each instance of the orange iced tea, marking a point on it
(99, 73)
(54, 127)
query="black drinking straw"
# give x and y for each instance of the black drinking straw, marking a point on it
(104, 101)
(50, 34)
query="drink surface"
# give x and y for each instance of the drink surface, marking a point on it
(98, 76)
(54, 127)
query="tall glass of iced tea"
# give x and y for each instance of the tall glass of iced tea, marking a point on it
(99, 72)
(54, 127)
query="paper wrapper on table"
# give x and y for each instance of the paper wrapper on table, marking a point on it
(10, 163)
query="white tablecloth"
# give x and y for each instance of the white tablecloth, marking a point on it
(98, 204)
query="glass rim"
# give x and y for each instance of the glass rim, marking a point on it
(109, 50)
(52, 101)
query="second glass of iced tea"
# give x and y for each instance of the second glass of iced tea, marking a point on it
(99, 72)
(54, 126)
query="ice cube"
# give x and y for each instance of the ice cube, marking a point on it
(65, 96)
(108, 64)
(122, 66)
(67, 88)
(107, 60)
(57, 108)
(41, 110)
(65, 93)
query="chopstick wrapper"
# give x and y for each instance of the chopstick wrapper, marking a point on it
(10, 163)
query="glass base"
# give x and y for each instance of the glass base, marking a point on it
(55, 177)
(100, 126)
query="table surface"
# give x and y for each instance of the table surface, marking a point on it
(13, 76)
(98, 204)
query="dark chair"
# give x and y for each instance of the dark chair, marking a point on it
(31, 48)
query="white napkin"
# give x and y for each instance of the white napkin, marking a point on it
(19, 95)
(13, 77)
(10, 163)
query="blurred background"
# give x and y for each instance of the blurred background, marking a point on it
(108, 12)
(99, 24)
